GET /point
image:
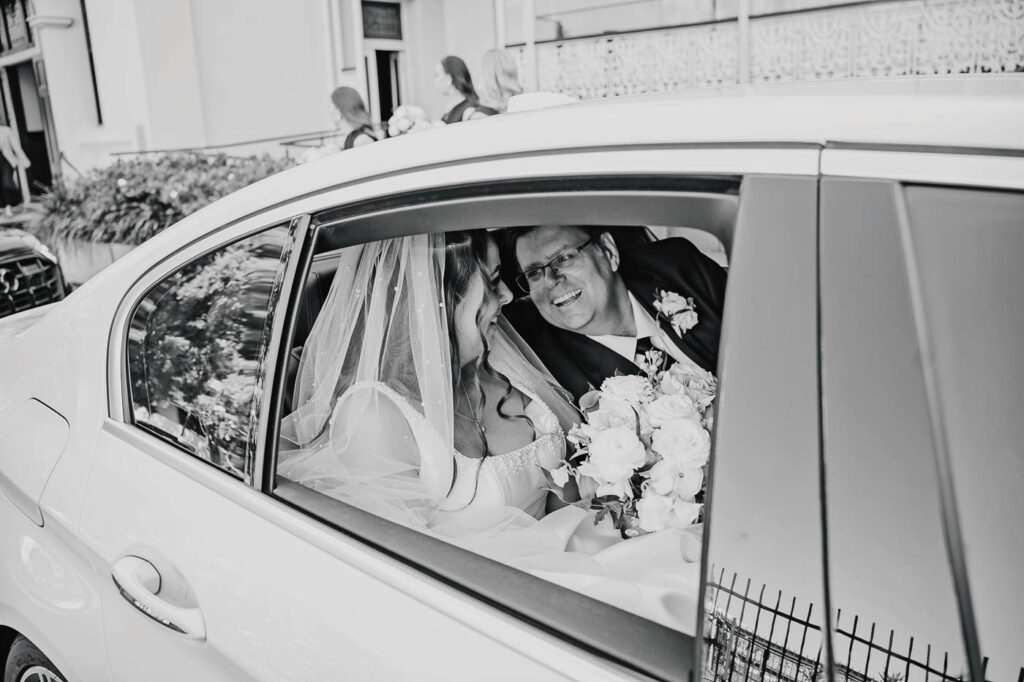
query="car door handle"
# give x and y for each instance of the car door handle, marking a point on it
(138, 581)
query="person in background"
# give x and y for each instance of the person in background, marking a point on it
(353, 120)
(451, 75)
(11, 158)
(499, 80)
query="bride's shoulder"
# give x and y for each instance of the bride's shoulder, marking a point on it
(373, 413)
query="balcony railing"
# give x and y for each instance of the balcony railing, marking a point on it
(883, 38)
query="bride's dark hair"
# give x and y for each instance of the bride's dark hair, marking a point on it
(466, 258)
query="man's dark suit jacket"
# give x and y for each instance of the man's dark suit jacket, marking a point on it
(580, 363)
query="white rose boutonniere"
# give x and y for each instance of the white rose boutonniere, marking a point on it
(680, 311)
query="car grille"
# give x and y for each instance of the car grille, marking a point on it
(27, 283)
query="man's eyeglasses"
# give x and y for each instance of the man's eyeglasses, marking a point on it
(563, 262)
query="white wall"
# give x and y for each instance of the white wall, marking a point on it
(185, 73)
(119, 79)
(171, 73)
(469, 32)
(264, 67)
(425, 39)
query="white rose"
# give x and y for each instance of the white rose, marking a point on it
(612, 414)
(684, 321)
(663, 477)
(670, 383)
(668, 478)
(631, 388)
(614, 454)
(684, 514)
(621, 490)
(654, 512)
(671, 303)
(685, 441)
(560, 475)
(689, 483)
(669, 408)
(689, 374)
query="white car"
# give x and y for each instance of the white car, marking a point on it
(864, 504)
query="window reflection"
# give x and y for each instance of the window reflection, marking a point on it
(195, 347)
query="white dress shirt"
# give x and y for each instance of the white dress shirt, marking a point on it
(645, 326)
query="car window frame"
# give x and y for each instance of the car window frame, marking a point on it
(536, 602)
(121, 408)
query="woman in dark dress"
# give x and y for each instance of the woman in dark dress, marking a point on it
(353, 120)
(453, 81)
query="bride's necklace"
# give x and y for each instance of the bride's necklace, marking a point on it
(471, 418)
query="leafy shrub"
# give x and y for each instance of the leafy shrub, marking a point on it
(130, 201)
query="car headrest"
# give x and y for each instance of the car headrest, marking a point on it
(314, 293)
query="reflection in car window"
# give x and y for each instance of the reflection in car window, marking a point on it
(195, 348)
(968, 244)
(896, 611)
(764, 604)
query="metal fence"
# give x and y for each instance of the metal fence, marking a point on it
(753, 634)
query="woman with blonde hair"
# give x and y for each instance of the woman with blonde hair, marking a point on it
(499, 80)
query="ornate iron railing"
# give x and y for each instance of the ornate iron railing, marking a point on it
(755, 634)
(883, 38)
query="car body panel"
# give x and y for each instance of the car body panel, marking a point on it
(31, 443)
(270, 596)
(284, 595)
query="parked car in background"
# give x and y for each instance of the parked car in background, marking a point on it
(30, 275)
(863, 504)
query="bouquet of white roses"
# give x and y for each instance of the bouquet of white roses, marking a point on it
(641, 451)
(410, 119)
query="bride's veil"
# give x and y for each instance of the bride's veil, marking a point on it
(379, 347)
(374, 417)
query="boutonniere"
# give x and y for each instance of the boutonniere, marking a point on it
(678, 310)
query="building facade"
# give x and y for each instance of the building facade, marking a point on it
(84, 81)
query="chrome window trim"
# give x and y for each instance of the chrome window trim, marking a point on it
(973, 168)
(280, 302)
(946, 490)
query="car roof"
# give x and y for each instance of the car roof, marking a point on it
(869, 114)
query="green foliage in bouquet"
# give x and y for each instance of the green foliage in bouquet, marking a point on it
(132, 200)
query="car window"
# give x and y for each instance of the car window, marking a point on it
(196, 344)
(968, 245)
(369, 426)
(896, 614)
(764, 605)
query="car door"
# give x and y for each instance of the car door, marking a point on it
(282, 585)
(207, 577)
(922, 395)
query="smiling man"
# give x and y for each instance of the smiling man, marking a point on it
(594, 312)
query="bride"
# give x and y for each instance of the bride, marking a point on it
(418, 402)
